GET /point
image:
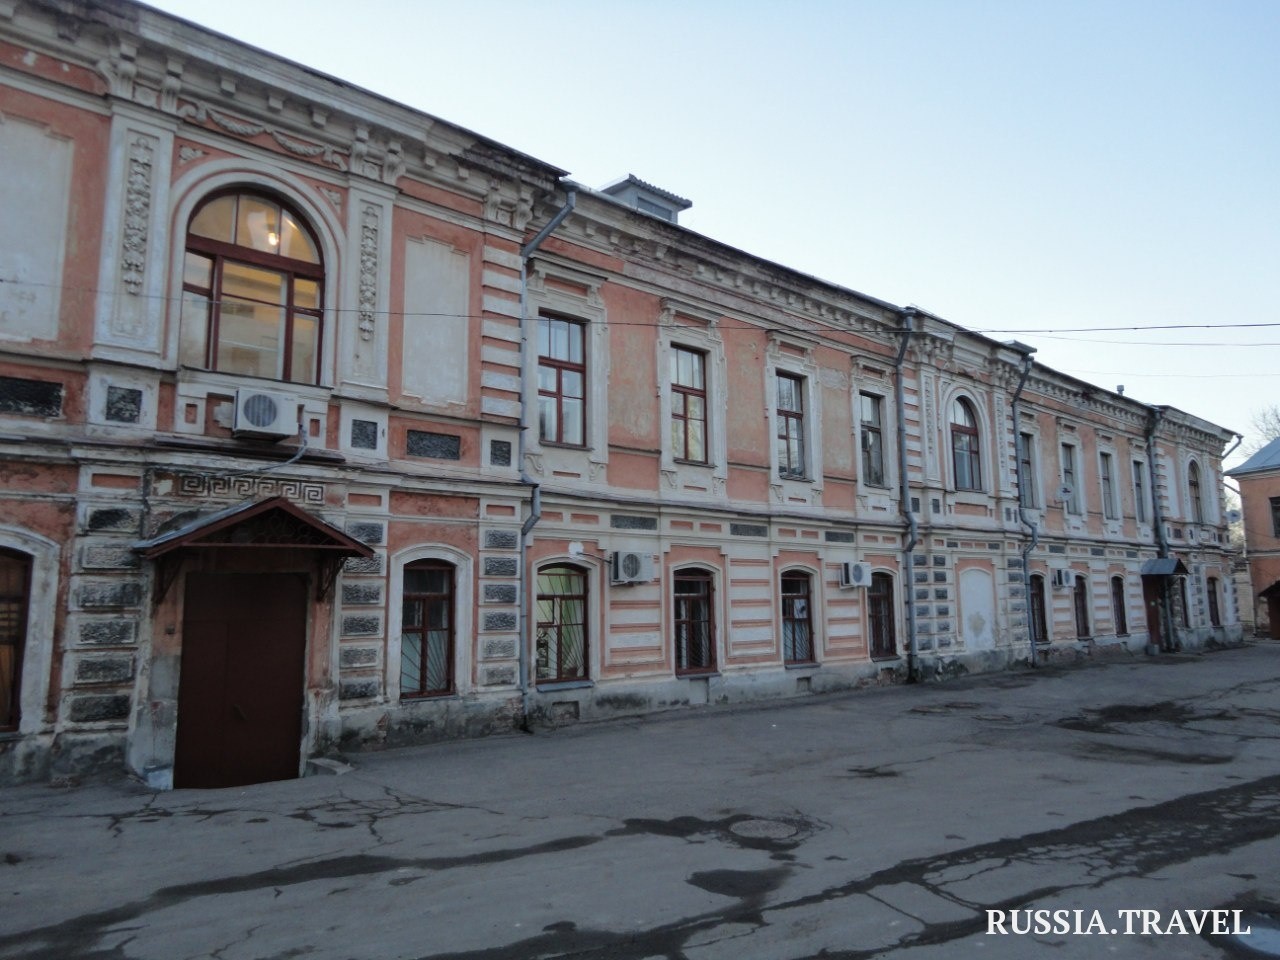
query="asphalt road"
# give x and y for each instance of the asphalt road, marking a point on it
(881, 823)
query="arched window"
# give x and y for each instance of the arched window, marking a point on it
(1119, 615)
(965, 457)
(252, 290)
(427, 630)
(884, 640)
(562, 624)
(15, 597)
(797, 618)
(1039, 625)
(1080, 600)
(693, 619)
(1193, 488)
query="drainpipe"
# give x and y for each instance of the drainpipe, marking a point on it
(1023, 516)
(1154, 416)
(535, 490)
(904, 498)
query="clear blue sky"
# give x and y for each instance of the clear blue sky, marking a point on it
(1005, 164)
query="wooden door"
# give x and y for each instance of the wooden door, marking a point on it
(240, 694)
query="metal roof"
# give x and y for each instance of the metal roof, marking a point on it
(1268, 458)
(1164, 567)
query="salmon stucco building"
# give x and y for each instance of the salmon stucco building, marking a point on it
(1259, 480)
(326, 424)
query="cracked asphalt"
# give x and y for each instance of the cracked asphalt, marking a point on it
(879, 823)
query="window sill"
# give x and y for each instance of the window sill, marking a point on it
(704, 464)
(802, 665)
(554, 445)
(429, 697)
(888, 658)
(696, 674)
(551, 686)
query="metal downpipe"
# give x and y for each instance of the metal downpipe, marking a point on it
(1154, 416)
(904, 498)
(535, 490)
(1027, 364)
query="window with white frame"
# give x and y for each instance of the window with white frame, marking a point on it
(797, 617)
(1194, 493)
(693, 620)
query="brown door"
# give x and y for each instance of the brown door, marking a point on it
(1151, 600)
(240, 694)
(1273, 616)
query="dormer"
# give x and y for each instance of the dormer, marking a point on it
(646, 198)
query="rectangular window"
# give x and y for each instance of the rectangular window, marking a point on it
(797, 620)
(872, 421)
(561, 641)
(426, 638)
(791, 462)
(1275, 516)
(695, 645)
(884, 642)
(1105, 465)
(1026, 469)
(1140, 491)
(1070, 488)
(1119, 615)
(688, 405)
(562, 379)
(1211, 593)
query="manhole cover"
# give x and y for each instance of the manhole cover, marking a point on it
(764, 829)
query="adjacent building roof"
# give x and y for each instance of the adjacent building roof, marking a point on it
(1268, 458)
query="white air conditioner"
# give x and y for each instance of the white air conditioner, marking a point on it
(265, 413)
(855, 574)
(1063, 577)
(630, 567)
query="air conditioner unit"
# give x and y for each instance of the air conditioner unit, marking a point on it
(629, 567)
(1063, 577)
(855, 574)
(265, 413)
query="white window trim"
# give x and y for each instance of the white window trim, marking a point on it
(703, 336)
(464, 604)
(42, 614)
(544, 459)
(987, 481)
(719, 613)
(888, 436)
(817, 613)
(1113, 504)
(799, 362)
(1073, 506)
(595, 572)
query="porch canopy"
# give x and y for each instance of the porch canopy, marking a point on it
(253, 525)
(1165, 567)
(1269, 592)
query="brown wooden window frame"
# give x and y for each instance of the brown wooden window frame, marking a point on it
(1211, 593)
(1275, 516)
(1194, 492)
(966, 447)
(1139, 491)
(792, 455)
(1080, 603)
(558, 368)
(443, 600)
(1106, 473)
(220, 254)
(682, 395)
(1037, 605)
(15, 604)
(871, 424)
(698, 588)
(793, 622)
(553, 627)
(882, 631)
(1119, 607)
(1026, 470)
